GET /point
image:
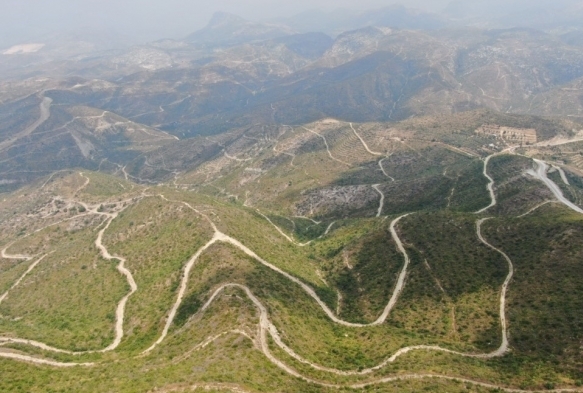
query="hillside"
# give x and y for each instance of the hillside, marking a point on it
(368, 74)
(393, 206)
(118, 277)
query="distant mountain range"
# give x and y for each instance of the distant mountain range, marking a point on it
(236, 73)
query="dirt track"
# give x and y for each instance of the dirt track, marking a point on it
(265, 326)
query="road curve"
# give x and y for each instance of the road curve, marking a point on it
(374, 153)
(504, 345)
(535, 208)
(541, 173)
(45, 113)
(221, 237)
(266, 326)
(383, 168)
(382, 201)
(30, 268)
(490, 185)
(4, 255)
(289, 238)
(120, 311)
(310, 291)
(327, 146)
(181, 292)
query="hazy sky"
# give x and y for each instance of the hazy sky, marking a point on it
(151, 19)
(26, 20)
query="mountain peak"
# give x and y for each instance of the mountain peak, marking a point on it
(220, 19)
(225, 29)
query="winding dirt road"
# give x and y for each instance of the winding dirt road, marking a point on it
(45, 113)
(382, 201)
(504, 345)
(30, 268)
(374, 153)
(289, 238)
(120, 310)
(563, 175)
(541, 173)
(218, 236)
(221, 237)
(536, 207)
(83, 186)
(13, 256)
(490, 185)
(327, 147)
(265, 326)
(383, 168)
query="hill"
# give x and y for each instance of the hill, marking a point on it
(263, 209)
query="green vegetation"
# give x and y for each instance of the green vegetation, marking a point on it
(157, 238)
(453, 288)
(546, 294)
(516, 191)
(366, 276)
(451, 296)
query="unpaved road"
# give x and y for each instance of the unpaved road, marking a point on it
(382, 201)
(182, 291)
(383, 168)
(327, 147)
(541, 173)
(45, 113)
(563, 175)
(218, 236)
(84, 185)
(374, 153)
(490, 185)
(45, 362)
(266, 327)
(221, 237)
(458, 150)
(13, 256)
(504, 345)
(120, 311)
(536, 207)
(30, 268)
(289, 238)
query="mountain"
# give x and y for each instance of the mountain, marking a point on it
(41, 55)
(65, 137)
(370, 74)
(544, 15)
(226, 29)
(263, 209)
(308, 45)
(339, 21)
